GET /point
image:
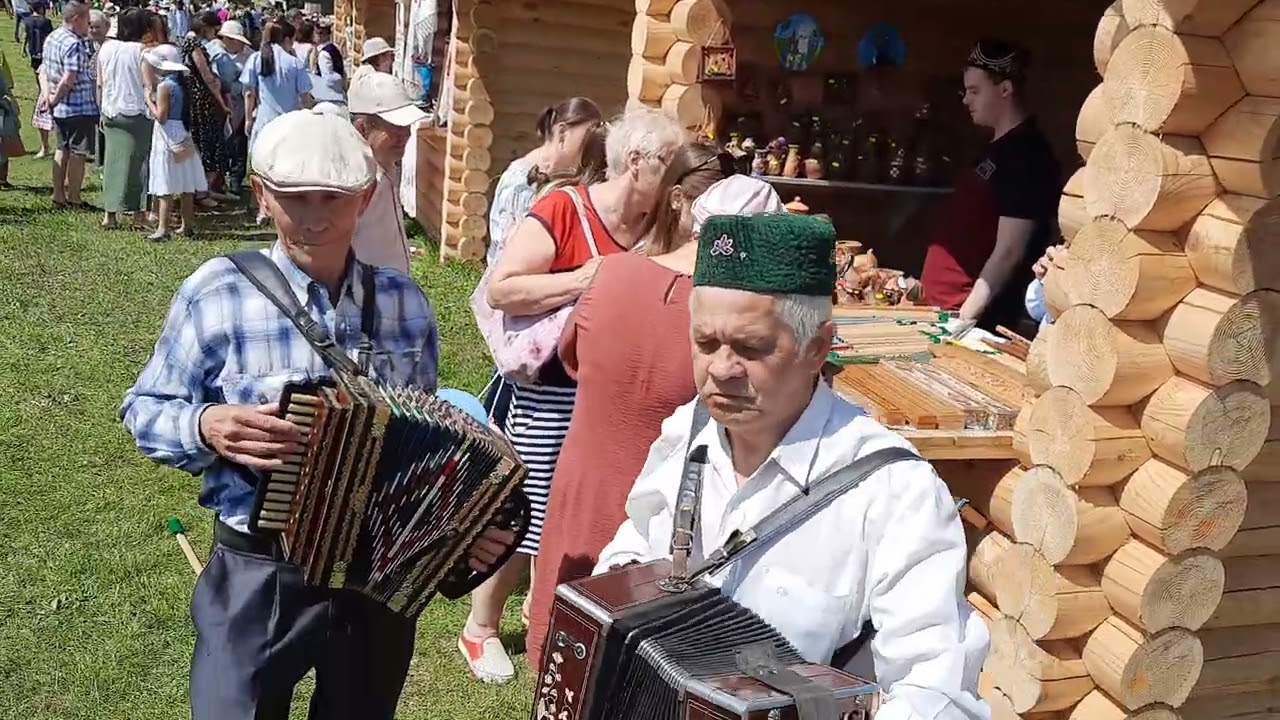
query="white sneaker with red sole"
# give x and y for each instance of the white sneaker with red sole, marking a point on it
(487, 659)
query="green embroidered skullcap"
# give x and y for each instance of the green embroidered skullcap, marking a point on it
(782, 253)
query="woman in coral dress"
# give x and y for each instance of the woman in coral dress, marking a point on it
(627, 344)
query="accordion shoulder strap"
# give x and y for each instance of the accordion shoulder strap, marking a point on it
(267, 278)
(802, 507)
(689, 500)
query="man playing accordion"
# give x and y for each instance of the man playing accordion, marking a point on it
(889, 553)
(206, 403)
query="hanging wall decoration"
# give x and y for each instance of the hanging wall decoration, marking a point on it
(719, 58)
(798, 42)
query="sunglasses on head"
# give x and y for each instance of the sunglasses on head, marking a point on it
(723, 160)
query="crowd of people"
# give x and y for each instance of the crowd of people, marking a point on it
(168, 100)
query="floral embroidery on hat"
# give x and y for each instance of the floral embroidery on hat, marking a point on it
(722, 246)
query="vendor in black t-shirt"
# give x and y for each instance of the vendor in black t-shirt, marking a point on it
(1003, 213)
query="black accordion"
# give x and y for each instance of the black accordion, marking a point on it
(389, 493)
(622, 646)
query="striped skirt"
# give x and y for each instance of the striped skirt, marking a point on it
(536, 425)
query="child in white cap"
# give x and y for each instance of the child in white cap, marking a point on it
(175, 167)
(207, 403)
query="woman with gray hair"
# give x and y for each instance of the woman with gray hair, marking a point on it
(548, 262)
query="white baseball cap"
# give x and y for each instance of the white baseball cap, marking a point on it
(166, 58)
(735, 195)
(374, 47)
(234, 30)
(383, 95)
(304, 151)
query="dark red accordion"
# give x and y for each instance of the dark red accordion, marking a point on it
(621, 647)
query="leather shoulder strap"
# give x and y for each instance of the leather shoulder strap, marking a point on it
(267, 278)
(689, 498)
(803, 506)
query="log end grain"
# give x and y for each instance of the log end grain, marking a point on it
(1177, 512)
(1128, 275)
(1097, 706)
(1044, 513)
(1139, 670)
(1096, 447)
(1148, 182)
(1195, 426)
(1108, 363)
(1111, 29)
(1156, 592)
(1245, 345)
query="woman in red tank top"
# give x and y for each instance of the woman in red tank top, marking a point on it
(547, 263)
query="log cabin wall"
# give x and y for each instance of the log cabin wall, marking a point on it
(356, 20)
(508, 66)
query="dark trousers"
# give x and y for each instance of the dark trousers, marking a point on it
(260, 629)
(237, 160)
(497, 400)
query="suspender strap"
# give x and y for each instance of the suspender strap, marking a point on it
(267, 278)
(813, 701)
(368, 317)
(802, 507)
(689, 499)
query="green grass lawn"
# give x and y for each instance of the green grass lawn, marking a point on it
(93, 592)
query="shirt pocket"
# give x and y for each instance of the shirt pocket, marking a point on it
(810, 617)
(248, 389)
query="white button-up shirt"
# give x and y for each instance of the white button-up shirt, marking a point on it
(380, 238)
(891, 550)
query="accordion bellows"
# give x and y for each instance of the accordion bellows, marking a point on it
(621, 648)
(388, 494)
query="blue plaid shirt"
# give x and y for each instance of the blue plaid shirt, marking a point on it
(64, 52)
(225, 342)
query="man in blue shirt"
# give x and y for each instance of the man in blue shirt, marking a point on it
(206, 403)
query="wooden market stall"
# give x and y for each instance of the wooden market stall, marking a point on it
(1125, 531)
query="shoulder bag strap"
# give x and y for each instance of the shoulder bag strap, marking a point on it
(368, 315)
(267, 278)
(802, 507)
(689, 499)
(582, 218)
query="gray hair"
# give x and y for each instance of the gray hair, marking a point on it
(646, 131)
(804, 314)
(97, 17)
(74, 9)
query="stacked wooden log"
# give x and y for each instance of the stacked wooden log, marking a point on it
(1130, 567)
(458, 183)
(666, 54)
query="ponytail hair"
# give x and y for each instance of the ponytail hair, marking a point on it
(272, 34)
(571, 112)
(589, 172)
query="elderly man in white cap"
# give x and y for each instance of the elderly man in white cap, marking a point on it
(376, 55)
(207, 403)
(383, 112)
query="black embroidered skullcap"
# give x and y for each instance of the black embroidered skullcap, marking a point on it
(1004, 60)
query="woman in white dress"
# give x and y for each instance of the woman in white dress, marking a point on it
(175, 165)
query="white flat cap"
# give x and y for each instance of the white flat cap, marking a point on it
(735, 195)
(304, 151)
(383, 95)
(374, 47)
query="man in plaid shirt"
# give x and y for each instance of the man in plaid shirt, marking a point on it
(68, 66)
(207, 403)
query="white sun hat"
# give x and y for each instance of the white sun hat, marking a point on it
(374, 47)
(234, 30)
(166, 58)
